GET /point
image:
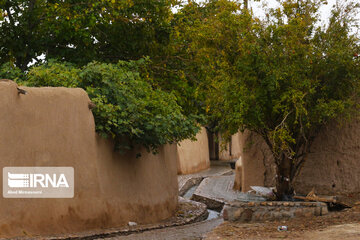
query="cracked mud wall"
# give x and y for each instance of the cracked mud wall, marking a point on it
(54, 127)
(332, 167)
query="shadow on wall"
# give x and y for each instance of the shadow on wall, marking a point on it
(218, 151)
(54, 127)
(193, 156)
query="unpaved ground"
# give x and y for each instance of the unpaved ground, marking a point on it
(343, 225)
(193, 231)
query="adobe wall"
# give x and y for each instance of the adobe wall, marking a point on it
(54, 127)
(193, 156)
(332, 167)
(233, 149)
(256, 162)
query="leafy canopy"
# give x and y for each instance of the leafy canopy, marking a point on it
(75, 33)
(82, 31)
(128, 109)
(290, 77)
(283, 77)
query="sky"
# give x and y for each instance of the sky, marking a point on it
(325, 11)
(259, 12)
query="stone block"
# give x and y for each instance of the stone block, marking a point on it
(318, 211)
(287, 215)
(237, 214)
(277, 215)
(324, 210)
(258, 216)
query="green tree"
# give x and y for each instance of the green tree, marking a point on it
(82, 31)
(288, 77)
(189, 67)
(20, 31)
(283, 77)
(9, 71)
(128, 110)
(76, 33)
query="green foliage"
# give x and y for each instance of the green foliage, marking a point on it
(9, 71)
(128, 109)
(283, 77)
(290, 77)
(21, 36)
(76, 33)
(54, 74)
(82, 31)
(199, 35)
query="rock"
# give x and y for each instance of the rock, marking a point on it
(233, 214)
(277, 216)
(246, 215)
(324, 210)
(299, 212)
(318, 211)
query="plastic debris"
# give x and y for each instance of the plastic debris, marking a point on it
(132, 224)
(282, 228)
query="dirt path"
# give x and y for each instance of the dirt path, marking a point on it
(188, 232)
(344, 225)
(336, 232)
(343, 232)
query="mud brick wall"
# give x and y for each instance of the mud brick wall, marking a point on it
(54, 127)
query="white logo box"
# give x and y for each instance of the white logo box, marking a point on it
(38, 182)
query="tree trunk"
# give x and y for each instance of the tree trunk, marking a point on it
(284, 188)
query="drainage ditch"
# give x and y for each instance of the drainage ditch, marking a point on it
(212, 214)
